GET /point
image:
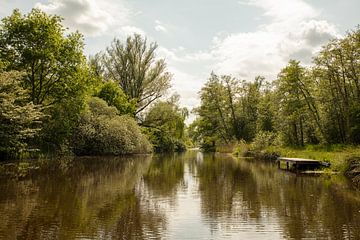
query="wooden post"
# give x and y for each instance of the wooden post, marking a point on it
(287, 165)
(278, 163)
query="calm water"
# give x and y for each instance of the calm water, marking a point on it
(188, 196)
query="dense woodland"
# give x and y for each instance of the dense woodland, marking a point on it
(317, 104)
(55, 100)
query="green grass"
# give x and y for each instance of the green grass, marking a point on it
(337, 155)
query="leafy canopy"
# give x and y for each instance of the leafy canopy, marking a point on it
(36, 43)
(137, 70)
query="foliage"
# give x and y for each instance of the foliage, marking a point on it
(58, 80)
(103, 131)
(135, 67)
(313, 105)
(20, 119)
(228, 111)
(165, 125)
(56, 75)
(36, 44)
(114, 96)
(337, 72)
(296, 106)
(264, 139)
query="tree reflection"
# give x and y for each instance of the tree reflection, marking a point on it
(128, 198)
(234, 192)
(164, 175)
(94, 198)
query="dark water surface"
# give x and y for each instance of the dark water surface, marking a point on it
(188, 196)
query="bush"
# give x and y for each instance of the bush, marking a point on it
(102, 131)
(264, 139)
(20, 119)
(163, 142)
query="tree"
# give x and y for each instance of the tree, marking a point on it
(20, 119)
(35, 43)
(298, 119)
(216, 120)
(337, 72)
(165, 123)
(136, 69)
(266, 110)
(114, 96)
(228, 110)
(56, 73)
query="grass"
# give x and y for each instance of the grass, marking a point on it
(226, 148)
(337, 155)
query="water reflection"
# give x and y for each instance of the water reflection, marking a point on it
(187, 196)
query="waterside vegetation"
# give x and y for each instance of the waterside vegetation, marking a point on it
(54, 100)
(308, 111)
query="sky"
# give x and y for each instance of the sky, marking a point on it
(242, 38)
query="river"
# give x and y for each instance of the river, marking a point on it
(178, 196)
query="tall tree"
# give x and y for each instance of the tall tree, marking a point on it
(36, 43)
(135, 67)
(337, 71)
(298, 117)
(56, 73)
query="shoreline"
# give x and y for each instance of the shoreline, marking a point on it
(345, 163)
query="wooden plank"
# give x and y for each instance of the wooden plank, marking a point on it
(299, 160)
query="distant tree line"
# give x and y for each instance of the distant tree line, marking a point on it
(319, 104)
(55, 100)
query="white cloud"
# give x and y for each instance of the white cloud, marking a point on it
(283, 10)
(159, 26)
(91, 17)
(130, 30)
(293, 31)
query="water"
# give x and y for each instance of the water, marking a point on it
(188, 196)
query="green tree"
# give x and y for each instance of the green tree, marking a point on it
(215, 119)
(35, 43)
(337, 73)
(266, 110)
(137, 70)
(228, 110)
(56, 73)
(20, 119)
(114, 96)
(165, 123)
(298, 118)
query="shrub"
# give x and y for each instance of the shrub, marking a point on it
(102, 131)
(20, 119)
(264, 139)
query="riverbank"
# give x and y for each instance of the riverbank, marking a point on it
(344, 160)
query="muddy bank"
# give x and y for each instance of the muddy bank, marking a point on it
(353, 171)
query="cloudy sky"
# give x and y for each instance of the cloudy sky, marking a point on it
(244, 38)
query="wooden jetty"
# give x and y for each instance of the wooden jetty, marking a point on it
(298, 163)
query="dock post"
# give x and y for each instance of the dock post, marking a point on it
(278, 164)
